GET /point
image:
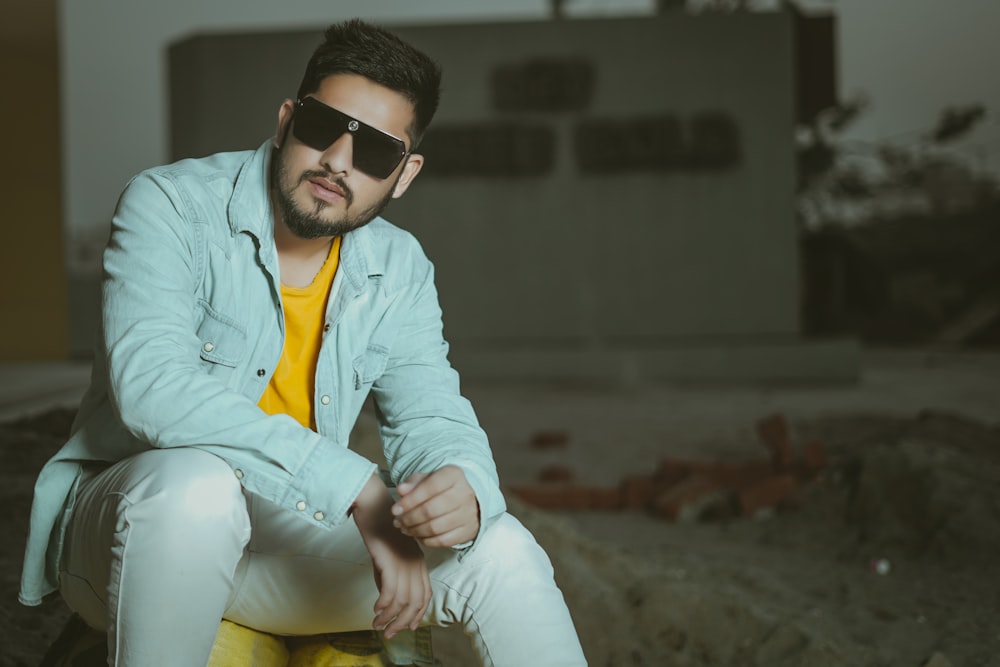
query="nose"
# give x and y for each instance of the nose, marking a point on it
(339, 156)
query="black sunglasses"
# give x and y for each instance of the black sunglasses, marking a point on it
(318, 126)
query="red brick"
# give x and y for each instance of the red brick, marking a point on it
(577, 497)
(766, 494)
(544, 496)
(636, 491)
(686, 500)
(550, 439)
(566, 496)
(773, 431)
(669, 470)
(773, 427)
(556, 473)
(537, 496)
(814, 457)
(605, 499)
(736, 475)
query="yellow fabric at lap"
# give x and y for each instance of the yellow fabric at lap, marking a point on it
(292, 387)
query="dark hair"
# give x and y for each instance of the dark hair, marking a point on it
(356, 47)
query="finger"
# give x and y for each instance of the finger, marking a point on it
(446, 540)
(421, 524)
(448, 479)
(411, 482)
(429, 487)
(456, 528)
(385, 619)
(386, 588)
(433, 508)
(411, 599)
(391, 597)
(429, 501)
(404, 620)
(420, 597)
(396, 623)
(426, 601)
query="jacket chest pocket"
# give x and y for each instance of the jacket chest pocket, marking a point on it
(370, 365)
(222, 339)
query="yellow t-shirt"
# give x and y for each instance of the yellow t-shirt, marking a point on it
(291, 389)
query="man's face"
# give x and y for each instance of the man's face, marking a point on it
(319, 193)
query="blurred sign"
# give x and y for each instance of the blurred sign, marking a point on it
(543, 84)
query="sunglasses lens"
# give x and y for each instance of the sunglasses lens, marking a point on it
(313, 128)
(375, 153)
(318, 126)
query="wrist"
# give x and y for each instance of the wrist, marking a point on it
(373, 505)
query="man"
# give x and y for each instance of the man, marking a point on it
(251, 302)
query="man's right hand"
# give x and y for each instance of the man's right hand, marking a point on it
(400, 570)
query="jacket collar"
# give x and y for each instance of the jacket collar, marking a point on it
(358, 258)
(250, 206)
(250, 211)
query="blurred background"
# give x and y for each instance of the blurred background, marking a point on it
(656, 226)
(681, 190)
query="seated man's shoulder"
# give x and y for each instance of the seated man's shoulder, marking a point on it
(207, 172)
(396, 249)
(389, 238)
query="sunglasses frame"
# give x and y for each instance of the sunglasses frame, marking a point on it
(361, 132)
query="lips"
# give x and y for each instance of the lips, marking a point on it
(326, 190)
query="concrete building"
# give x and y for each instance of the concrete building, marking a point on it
(603, 198)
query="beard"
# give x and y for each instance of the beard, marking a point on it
(311, 224)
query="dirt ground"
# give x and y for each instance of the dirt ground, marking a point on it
(913, 479)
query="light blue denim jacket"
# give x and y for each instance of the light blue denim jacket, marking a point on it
(192, 332)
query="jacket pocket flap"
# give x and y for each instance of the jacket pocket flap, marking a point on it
(370, 365)
(223, 340)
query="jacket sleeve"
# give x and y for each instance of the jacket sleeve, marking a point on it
(424, 420)
(158, 387)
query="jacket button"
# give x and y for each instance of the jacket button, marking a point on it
(325, 400)
(208, 347)
(239, 473)
(318, 516)
(301, 505)
(326, 327)
(261, 372)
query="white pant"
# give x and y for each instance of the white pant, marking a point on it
(163, 545)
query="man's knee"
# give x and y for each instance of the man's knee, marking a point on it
(509, 546)
(162, 510)
(503, 574)
(184, 486)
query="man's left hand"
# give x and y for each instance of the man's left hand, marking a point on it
(437, 509)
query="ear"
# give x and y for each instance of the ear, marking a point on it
(284, 118)
(412, 167)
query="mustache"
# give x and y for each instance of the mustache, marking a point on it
(327, 176)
